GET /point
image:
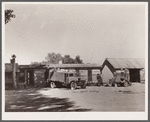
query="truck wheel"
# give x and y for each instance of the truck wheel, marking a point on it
(52, 84)
(73, 85)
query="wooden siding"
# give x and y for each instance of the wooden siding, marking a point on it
(106, 74)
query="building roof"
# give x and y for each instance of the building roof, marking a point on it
(129, 63)
(31, 66)
(62, 66)
(75, 66)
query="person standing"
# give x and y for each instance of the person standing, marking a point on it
(127, 76)
(114, 79)
(99, 79)
(25, 85)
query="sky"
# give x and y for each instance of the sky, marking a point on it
(93, 31)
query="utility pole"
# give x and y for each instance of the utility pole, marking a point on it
(14, 71)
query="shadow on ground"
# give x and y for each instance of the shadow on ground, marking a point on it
(31, 101)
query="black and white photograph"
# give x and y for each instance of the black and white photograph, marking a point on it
(74, 60)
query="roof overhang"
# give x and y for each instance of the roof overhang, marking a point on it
(75, 66)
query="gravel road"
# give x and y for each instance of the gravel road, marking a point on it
(92, 98)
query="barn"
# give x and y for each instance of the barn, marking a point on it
(134, 65)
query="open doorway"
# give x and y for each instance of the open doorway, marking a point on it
(30, 77)
(135, 75)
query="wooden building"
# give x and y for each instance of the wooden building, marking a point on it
(35, 75)
(134, 65)
(32, 75)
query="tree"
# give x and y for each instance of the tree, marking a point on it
(71, 61)
(78, 60)
(8, 15)
(68, 60)
(35, 63)
(53, 58)
(44, 62)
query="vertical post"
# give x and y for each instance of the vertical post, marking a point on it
(25, 76)
(89, 75)
(28, 77)
(17, 77)
(101, 75)
(100, 71)
(14, 70)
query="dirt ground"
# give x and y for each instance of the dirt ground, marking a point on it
(92, 98)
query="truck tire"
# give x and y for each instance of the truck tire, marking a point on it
(73, 85)
(52, 84)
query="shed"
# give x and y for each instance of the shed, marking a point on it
(33, 75)
(134, 65)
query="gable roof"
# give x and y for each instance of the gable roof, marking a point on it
(129, 63)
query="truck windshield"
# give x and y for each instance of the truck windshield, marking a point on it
(69, 75)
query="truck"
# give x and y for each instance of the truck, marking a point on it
(57, 78)
(121, 78)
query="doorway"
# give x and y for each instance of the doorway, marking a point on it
(135, 75)
(30, 77)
